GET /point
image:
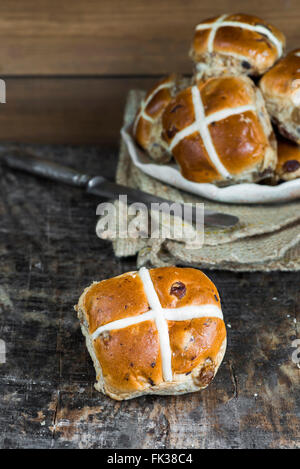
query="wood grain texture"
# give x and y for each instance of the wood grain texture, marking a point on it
(66, 110)
(48, 253)
(55, 46)
(115, 37)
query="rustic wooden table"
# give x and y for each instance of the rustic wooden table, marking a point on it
(49, 252)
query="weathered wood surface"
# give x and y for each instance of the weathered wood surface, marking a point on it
(49, 252)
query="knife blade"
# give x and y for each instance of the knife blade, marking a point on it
(101, 187)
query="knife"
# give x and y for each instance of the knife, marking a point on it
(101, 187)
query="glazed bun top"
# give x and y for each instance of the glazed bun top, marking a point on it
(252, 40)
(152, 325)
(218, 129)
(151, 108)
(146, 128)
(284, 78)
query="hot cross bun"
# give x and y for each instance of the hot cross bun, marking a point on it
(288, 166)
(147, 124)
(236, 44)
(158, 331)
(281, 90)
(219, 132)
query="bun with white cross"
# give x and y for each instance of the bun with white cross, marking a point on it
(158, 331)
(219, 131)
(147, 124)
(288, 166)
(236, 44)
(281, 89)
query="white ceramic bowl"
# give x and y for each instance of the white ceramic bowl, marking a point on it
(238, 193)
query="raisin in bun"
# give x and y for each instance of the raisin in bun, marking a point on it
(147, 124)
(236, 44)
(288, 166)
(219, 132)
(158, 331)
(281, 90)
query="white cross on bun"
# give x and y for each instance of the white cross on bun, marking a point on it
(147, 124)
(218, 130)
(158, 331)
(236, 44)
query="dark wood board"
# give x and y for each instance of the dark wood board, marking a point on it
(49, 252)
(112, 37)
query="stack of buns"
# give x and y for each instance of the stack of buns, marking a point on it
(217, 123)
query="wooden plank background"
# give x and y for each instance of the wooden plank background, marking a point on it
(69, 65)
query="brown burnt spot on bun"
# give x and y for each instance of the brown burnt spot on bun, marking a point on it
(172, 131)
(206, 374)
(106, 337)
(291, 166)
(178, 106)
(178, 289)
